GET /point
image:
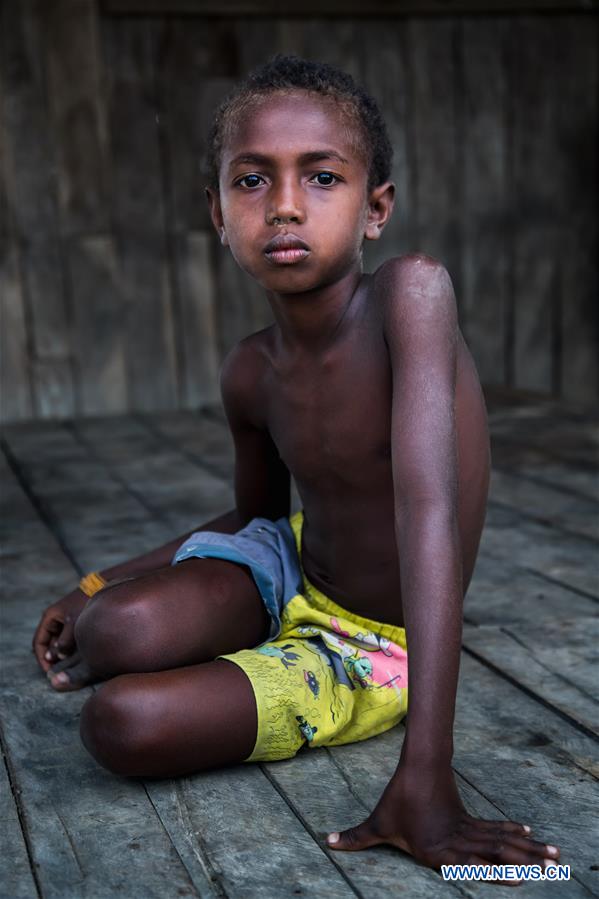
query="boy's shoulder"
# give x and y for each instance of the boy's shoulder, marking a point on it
(418, 310)
(242, 370)
(411, 278)
(412, 289)
(248, 356)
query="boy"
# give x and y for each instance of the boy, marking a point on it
(264, 634)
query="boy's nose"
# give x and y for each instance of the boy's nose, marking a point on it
(284, 206)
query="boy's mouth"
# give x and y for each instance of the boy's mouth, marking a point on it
(285, 249)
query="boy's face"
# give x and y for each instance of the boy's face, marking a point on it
(290, 172)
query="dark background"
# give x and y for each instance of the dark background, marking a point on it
(116, 296)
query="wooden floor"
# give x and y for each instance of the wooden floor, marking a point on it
(83, 495)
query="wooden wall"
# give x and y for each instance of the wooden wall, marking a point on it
(115, 295)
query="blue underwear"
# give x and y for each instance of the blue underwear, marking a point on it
(268, 548)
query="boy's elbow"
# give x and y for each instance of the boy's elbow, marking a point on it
(435, 507)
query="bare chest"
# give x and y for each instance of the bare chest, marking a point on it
(331, 419)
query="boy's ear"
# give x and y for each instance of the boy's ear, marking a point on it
(216, 214)
(380, 207)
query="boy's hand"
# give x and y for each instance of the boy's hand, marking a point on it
(421, 812)
(54, 638)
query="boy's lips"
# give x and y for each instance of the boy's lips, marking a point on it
(285, 249)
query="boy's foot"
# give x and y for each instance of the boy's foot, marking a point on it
(71, 673)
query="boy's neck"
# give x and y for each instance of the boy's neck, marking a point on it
(309, 321)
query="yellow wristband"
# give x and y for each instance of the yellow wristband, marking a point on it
(91, 583)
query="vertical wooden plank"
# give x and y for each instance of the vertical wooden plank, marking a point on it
(196, 68)
(17, 877)
(196, 60)
(148, 323)
(16, 401)
(485, 199)
(78, 115)
(139, 214)
(535, 200)
(97, 324)
(577, 93)
(256, 40)
(4, 210)
(129, 69)
(197, 291)
(32, 198)
(337, 43)
(290, 37)
(79, 122)
(386, 78)
(435, 141)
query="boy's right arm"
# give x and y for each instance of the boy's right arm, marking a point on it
(262, 485)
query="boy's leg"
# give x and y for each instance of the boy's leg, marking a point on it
(171, 723)
(180, 615)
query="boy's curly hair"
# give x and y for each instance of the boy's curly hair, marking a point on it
(283, 74)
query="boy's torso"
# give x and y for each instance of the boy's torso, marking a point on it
(329, 415)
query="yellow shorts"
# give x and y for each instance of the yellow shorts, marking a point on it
(330, 676)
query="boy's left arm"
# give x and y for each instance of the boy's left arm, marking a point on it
(420, 810)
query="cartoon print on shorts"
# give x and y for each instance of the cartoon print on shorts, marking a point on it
(304, 629)
(369, 640)
(280, 652)
(359, 668)
(332, 658)
(307, 730)
(312, 682)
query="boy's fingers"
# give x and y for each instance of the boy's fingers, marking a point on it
(48, 627)
(506, 826)
(532, 847)
(65, 645)
(505, 852)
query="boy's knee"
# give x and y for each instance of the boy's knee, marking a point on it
(120, 726)
(112, 631)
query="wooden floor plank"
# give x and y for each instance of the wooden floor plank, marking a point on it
(556, 660)
(561, 437)
(548, 505)
(180, 492)
(556, 556)
(511, 403)
(199, 437)
(86, 507)
(255, 842)
(86, 827)
(16, 878)
(533, 463)
(503, 593)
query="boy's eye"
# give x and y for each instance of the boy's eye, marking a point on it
(326, 179)
(250, 181)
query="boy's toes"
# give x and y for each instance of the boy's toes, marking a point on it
(59, 680)
(71, 674)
